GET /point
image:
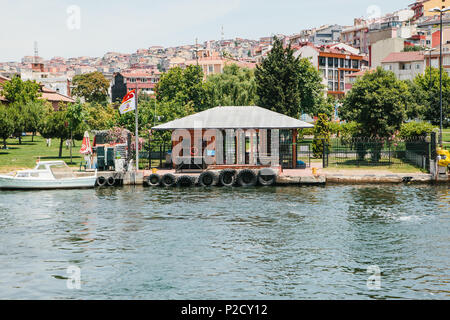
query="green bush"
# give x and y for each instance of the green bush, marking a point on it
(321, 135)
(307, 132)
(335, 128)
(416, 129)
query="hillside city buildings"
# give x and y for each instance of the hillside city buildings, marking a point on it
(342, 53)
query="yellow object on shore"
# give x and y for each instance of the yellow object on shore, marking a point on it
(154, 170)
(314, 171)
(445, 157)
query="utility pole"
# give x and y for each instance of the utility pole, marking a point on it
(137, 130)
(440, 82)
(441, 13)
(196, 50)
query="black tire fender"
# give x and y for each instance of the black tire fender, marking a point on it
(227, 177)
(267, 177)
(153, 180)
(168, 180)
(247, 178)
(101, 181)
(185, 181)
(208, 179)
(111, 181)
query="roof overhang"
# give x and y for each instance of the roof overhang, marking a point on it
(251, 117)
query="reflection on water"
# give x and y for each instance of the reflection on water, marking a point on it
(220, 243)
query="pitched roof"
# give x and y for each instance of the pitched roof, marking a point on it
(53, 96)
(235, 118)
(404, 57)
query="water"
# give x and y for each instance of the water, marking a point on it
(258, 243)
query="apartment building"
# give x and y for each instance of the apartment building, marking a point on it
(422, 8)
(334, 64)
(432, 58)
(142, 80)
(405, 65)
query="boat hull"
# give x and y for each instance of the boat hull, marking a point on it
(12, 183)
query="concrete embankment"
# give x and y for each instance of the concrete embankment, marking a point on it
(379, 178)
(132, 178)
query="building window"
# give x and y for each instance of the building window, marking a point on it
(341, 62)
(336, 62)
(330, 62)
(322, 61)
(355, 64)
(330, 85)
(324, 73)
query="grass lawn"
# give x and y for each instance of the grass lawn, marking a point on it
(406, 168)
(24, 156)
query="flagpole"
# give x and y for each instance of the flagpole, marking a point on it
(137, 130)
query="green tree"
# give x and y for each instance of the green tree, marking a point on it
(184, 86)
(33, 112)
(234, 87)
(321, 135)
(426, 97)
(413, 48)
(312, 99)
(17, 114)
(75, 115)
(20, 93)
(277, 81)
(100, 117)
(6, 124)
(93, 87)
(55, 125)
(378, 102)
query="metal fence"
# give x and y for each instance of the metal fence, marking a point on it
(362, 152)
(155, 156)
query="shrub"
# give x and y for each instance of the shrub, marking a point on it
(416, 129)
(321, 135)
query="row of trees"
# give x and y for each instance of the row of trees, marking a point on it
(282, 83)
(378, 104)
(381, 103)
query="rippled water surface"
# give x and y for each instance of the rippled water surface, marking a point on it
(261, 243)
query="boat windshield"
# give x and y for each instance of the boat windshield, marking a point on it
(61, 171)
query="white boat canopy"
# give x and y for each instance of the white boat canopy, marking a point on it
(252, 117)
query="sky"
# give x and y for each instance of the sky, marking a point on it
(73, 28)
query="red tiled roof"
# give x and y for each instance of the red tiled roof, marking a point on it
(3, 79)
(141, 85)
(53, 96)
(359, 73)
(404, 57)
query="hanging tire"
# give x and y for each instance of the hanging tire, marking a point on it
(267, 177)
(227, 178)
(208, 179)
(111, 181)
(247, 178)
(153, 180)
(168, 180)
(185, 182)
(101, 181)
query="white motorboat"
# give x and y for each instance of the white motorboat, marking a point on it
(48, 175)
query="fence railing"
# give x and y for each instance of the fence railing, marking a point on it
(377, 152)
(337, 152)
